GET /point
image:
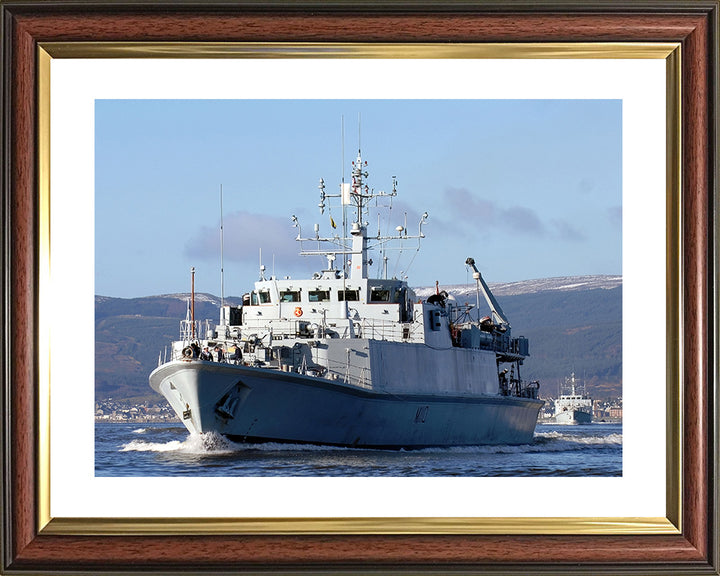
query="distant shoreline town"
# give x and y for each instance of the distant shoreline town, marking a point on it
(116, 411)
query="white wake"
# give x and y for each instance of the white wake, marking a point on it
(209, 443)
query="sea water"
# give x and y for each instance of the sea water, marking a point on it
(169, 450)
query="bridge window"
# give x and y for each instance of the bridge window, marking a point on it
(290, 296)
(319, 295)
(379, 295)
(264, 296)
(349, 295)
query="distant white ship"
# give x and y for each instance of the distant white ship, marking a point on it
(573, 406)
(345, 359)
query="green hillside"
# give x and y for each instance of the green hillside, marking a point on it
(578, 331)
(131, 334)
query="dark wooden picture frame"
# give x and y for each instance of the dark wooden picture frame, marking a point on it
(27, 25)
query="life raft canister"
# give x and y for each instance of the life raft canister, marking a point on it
(298, 311)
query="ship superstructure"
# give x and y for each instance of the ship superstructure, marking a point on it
(345, 359)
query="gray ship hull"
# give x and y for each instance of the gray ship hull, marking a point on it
(573, 417)
(259, 404)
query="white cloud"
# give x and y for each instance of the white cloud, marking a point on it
(614, 213)
(245, 234)
(568, 232)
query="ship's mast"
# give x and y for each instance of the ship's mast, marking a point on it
(357, 194)
(358, 267)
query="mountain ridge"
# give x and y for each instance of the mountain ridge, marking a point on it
(531, 286)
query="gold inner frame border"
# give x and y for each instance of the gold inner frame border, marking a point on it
(671, 524)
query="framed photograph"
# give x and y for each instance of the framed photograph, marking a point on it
(67, 68)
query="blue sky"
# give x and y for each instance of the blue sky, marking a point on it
(529, 188)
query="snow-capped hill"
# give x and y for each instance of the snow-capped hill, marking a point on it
(199, 297)
(560, 284)
(101, 299)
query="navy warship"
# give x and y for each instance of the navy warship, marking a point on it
(344, 359)
(573, 406)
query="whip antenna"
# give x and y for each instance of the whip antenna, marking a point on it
(192, 303)
(342, 194)
(222, 244)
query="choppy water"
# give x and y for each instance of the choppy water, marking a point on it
(169, 450)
